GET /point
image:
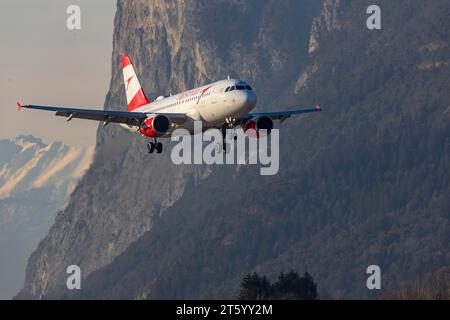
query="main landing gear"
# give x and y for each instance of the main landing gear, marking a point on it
(154, 146)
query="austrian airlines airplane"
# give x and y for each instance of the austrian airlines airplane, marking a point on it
(223, 104)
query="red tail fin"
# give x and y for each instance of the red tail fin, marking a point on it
(135, 94)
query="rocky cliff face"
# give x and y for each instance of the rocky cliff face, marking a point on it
(175, 45)
(325, 23)
(35, 183)
(364, 184)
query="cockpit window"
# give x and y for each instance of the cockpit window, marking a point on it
(238, 87)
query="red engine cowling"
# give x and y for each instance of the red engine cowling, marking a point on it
(155, 126)
(254, 126)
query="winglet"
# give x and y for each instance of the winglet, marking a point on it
(319, 110)
(19, 106)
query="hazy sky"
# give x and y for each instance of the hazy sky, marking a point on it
(43, 62)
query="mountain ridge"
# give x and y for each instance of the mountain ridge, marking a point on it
(36, 180)
(363, 184)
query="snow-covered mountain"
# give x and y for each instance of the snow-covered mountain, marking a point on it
(36, 180)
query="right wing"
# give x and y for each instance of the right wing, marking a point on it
(281, 115)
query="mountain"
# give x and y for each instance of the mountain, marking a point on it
(35, 182)
(366, 183)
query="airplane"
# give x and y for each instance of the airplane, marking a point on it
(223, 104)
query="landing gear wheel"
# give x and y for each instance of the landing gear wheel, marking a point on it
(150, 147)
(224, 135)
(159, 147)
(226, 147)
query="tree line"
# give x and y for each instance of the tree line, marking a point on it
(289, 286)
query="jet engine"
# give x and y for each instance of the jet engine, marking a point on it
(254, 126)
(155, 126)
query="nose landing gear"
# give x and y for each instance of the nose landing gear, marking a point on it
(225, 146)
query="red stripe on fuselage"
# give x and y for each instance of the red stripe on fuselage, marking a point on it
(203, 92)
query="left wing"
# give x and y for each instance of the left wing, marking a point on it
(281, 115)
(107, 116)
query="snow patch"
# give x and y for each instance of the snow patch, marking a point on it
(10, 184)
(84, 164)
(56, 166)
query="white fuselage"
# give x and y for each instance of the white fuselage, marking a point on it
(214, 104)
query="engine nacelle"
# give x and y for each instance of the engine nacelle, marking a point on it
(254, 126)
(155, 126)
